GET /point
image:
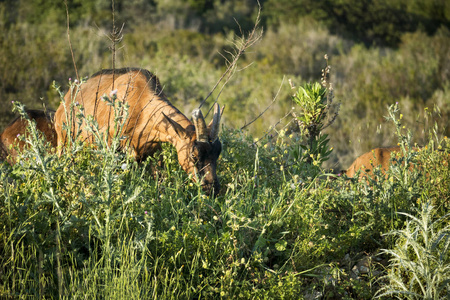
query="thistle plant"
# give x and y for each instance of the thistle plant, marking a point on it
(71, 206)
(420, 260)
(396, 117)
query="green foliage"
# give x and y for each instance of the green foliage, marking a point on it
(94, 223)
(315, 104)
(374, 22)
(420, 265)
(312, 103)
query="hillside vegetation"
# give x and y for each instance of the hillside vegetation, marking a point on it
(341, 77)
(94, 223)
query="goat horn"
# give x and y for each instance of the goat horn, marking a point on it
(214, 125)
(200, 125)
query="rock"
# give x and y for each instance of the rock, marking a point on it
(364, 265)
(354, 274)
(313, 295)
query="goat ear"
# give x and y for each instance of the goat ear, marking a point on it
(181, 132)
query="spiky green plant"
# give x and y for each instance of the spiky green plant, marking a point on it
(420, 260)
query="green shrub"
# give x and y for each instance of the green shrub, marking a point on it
(95, 223)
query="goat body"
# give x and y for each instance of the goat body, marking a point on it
(372, 159)
(151, 119)
(10, 136)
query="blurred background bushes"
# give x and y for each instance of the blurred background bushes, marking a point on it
(381, 52)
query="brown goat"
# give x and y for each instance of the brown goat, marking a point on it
(372, 159)
(9, 136)
(151, 119)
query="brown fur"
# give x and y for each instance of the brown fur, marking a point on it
(372, 159)
(152, 119)
(9, 136)
(382, 157)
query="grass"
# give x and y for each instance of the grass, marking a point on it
(95, 224)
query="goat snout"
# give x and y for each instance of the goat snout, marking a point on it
(210, 186)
